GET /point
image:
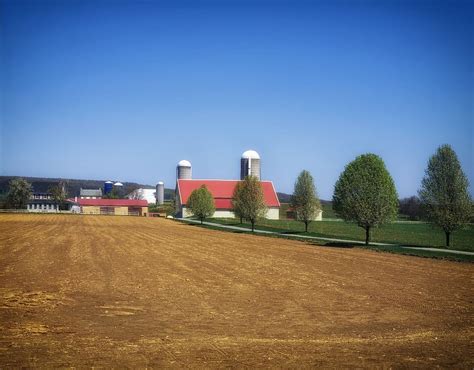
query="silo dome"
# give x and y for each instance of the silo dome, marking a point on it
(250, 154)
(118, 183)
(160, 182)
(184, 163)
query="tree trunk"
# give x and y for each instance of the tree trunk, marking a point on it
(447, 238)
(367, 235)
(253, 225)
(306, 226)
(201, 220)
(241, 220)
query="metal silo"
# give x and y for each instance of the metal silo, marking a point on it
(108, 185)
(183, 170)
(160, 193)
(250, 164)
(118, 186)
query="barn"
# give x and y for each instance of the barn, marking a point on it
(118, 207)
(222, 191)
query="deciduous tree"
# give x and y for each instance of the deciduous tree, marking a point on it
(19, 192)
(365, 193)
(252, 203)
(201, 203)
(305, 201)
(444, 192)
(236, 201)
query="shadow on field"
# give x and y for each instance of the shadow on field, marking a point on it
(333, 245)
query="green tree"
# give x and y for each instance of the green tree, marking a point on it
(58, 193)
(252, 203)
(305, 201)
(113, 194)
(19, 192)
(236, 201)
(365, 194)
(444, 192)
(201, 203)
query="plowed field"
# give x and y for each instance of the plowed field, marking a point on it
(136, 292)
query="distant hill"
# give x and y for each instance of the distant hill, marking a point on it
(286, 198)
(73, 186)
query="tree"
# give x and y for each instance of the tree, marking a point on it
(19, 193)
(305, 201)
(252, 204)
(201, 203)
(236, 201)
(58, 193)
(411, 207)
(365, 193)
(444, 192)
(113, 194)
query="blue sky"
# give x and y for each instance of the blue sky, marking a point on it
(124, 90)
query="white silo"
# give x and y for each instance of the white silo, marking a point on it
(183, 170)
(160, 193)
(250, 164)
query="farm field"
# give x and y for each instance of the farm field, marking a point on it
(404, 233)
(149, 292)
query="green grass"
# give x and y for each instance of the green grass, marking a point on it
(408, 233)
(328, 244)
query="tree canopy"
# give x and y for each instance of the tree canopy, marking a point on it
(236, 201)
(201, 203)
(305, 201)
(19, 192)
(365, 193)
(444, 192)
(250, 200)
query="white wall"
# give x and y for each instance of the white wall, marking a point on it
(272, 213)
(145, 194)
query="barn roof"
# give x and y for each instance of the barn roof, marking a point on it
(222, 191)
(113, 202)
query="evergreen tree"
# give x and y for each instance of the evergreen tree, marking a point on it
(365, 193)
(444, 192)
(201, 203)
(305, 201)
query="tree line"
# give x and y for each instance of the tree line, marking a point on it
(365, 194)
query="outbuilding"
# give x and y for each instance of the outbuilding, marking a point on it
(118, 207)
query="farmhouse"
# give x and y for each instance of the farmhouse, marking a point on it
(122, 207)
(222, 191)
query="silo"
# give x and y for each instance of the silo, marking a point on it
(118, 186)
(183, 170)
(108, 185)
(160, 193)
(250, 164)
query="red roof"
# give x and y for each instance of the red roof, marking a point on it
(113, 202)
(222, 191)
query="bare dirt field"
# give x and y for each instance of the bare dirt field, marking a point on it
(128, 291)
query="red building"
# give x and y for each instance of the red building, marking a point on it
(222, 191)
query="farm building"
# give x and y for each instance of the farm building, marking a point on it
(146, 194)
(118, 207)
(222, 191)
(90, 193)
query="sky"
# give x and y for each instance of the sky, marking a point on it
(123, 90)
